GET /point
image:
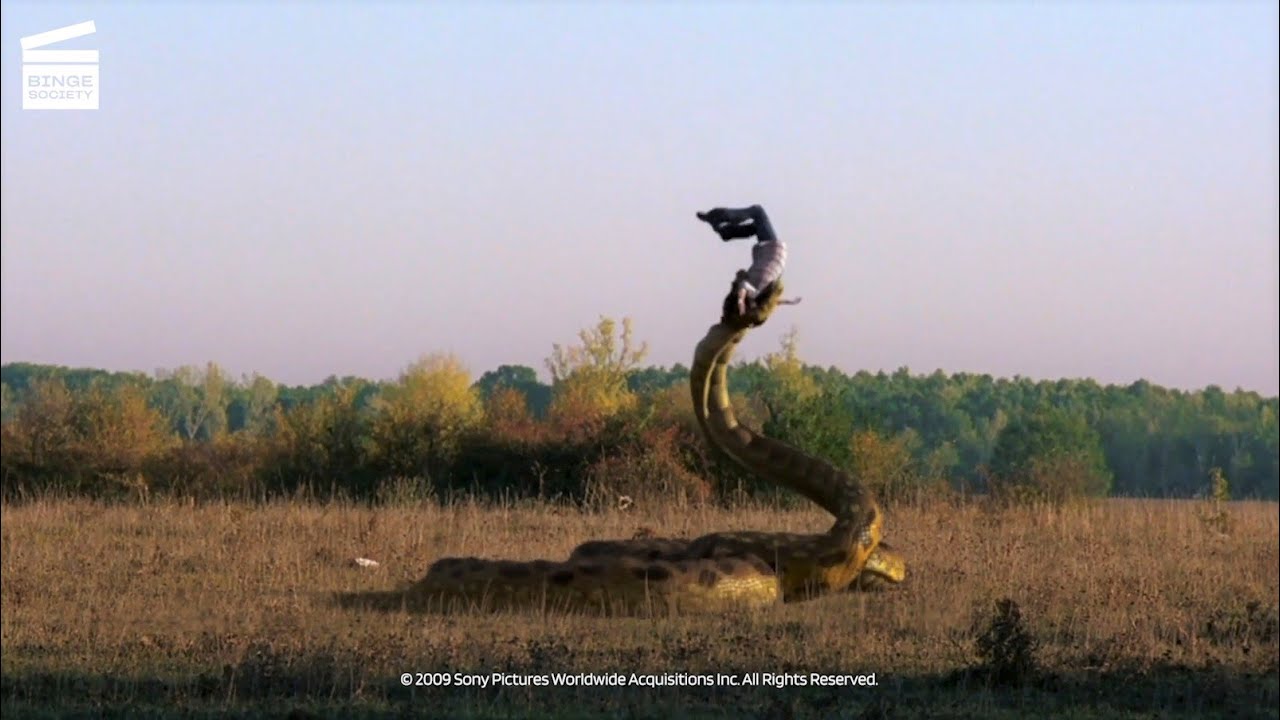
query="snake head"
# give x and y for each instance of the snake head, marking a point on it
(759, 311)
(884, 567)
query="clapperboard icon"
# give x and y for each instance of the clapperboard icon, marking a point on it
(59, 79)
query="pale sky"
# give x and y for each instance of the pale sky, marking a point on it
(305, 189)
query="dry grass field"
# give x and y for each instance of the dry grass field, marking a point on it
(1128, 609)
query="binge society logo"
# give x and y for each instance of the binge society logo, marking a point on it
(59, 79)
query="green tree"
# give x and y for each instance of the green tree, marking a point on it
(260, 403)
(645, 381)
(193, 400)
(521, 378)
(801, 411)
(252, 407)
(1052, 454)
(322, 443)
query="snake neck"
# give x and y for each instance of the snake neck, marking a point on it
(857, 515)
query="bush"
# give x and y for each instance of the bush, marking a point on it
(1006, 649)
(321, 444)
(227, 467)
(1057, 481)
(94, 442)
(886, 466)
(650, 471)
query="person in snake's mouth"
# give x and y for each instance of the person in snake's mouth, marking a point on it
(768, 255)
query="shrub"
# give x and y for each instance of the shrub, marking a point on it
(95, 441)
(320, 444)
(226, 467)
(650, 471)
(1006, 650)
(1215, 516)
(887, 467)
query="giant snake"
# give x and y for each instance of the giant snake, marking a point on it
(713, 572)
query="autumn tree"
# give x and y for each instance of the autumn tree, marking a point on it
(421, 419)
(322, 442)
(93, 440)
(39, 442)
(883, 464)
(589, 380)
(120, 429)
(507, 415)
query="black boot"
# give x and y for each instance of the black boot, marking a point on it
(714, 216)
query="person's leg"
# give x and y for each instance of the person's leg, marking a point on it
(755, 215)
(729, 231)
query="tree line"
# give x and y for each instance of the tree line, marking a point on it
(606, 425)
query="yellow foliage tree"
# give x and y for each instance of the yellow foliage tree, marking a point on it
(122, 429)
(787, 387)
(421, 419)
(589, 381)
(884, 464)
(95, 439)
(788, 371)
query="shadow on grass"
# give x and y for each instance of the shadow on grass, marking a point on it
(264, 685)
(409, 600)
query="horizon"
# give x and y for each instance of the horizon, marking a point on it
(1048, 192)
(545, 379)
